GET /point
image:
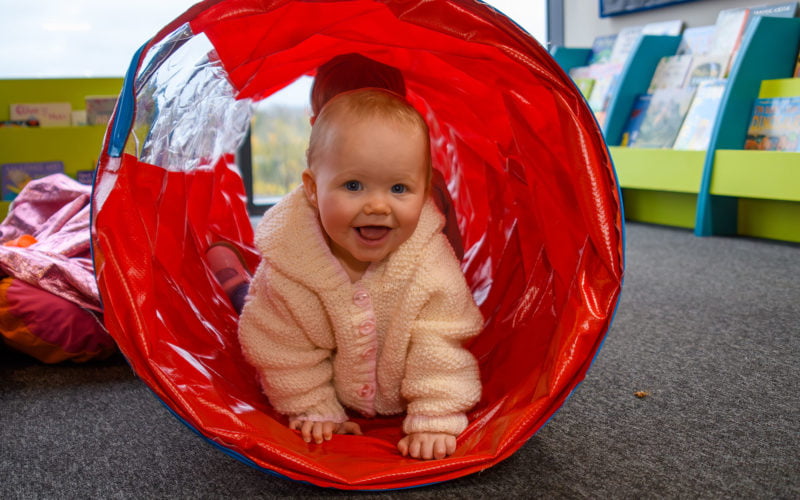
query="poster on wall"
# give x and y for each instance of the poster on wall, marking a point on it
(610, 8)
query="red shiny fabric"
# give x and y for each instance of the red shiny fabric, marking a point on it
(537, 203)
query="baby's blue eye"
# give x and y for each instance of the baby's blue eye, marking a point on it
(352, 185)
(398, 189)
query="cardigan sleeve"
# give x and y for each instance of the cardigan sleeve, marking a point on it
(442, 379)
(290, 351)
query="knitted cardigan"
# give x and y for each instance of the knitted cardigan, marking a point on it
(389, 343)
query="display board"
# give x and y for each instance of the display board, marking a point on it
(610, 8)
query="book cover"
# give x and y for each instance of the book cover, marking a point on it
(601, 48)
(671, 28)
(775, 125)
(730, 27)
(671, 71)
(99, 109)
(705, 67)
(48, 114)
(783, 9)
(16, 176)
(626, 41)
(85, 177)
(634, 123)
(696, 40)
(797, 67)
(695, 132)
(604, 76)
(585, 85)
(601, 92)
(663, 118)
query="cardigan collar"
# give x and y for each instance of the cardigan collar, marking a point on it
(290, 238)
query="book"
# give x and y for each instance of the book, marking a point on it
(783, 9)
(671, 28)
(85, 177)
(626, 41)
(663, 118)
(696, 40)
(99, 109)
(671, 71)
(705, 67)
(631, 130)
(604, 76)
(727, 37)
(48, 114)
(16, 176)
(797, 67)
(585, 85)
(601, 48)
(695, 132)
(775, 125)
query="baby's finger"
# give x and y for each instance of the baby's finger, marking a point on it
(450, 445)
(349, 428)
(327, 430)
(306, 430)
(439, 448)
(414, 448)
(317, 432)
(402, 446)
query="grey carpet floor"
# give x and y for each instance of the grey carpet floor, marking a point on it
(709, 327)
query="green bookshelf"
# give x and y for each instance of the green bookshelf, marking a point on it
(768, 51)
(725, 190)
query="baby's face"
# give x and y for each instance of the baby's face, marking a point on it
(369, 185)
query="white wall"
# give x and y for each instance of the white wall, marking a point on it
(582, 21)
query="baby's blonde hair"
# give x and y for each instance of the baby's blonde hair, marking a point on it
(367, 103)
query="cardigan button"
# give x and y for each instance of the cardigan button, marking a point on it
(367, 327)
(361, 298)
(369, 352)
(366, 391)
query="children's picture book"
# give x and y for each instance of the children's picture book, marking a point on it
(631, 130)
(663, 118)
(671, 71)
(16, 176)
(797, 67)
(601, 49)
(99, 109)
(705, 67)
(695, 132)
(85, 177)
(626, 41)
(603, 76)
(783, 9)
(585, 85)
(775, 125)
(696, 40)
(671, 28)
(48, 114)
(730, 27)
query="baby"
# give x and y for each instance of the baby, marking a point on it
(359, 301)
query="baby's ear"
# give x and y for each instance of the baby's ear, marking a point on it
(310, 186)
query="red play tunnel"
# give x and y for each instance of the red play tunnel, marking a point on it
(535, 192)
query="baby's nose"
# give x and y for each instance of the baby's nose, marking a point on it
(376, 205)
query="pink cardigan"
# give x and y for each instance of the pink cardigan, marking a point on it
(389, 343)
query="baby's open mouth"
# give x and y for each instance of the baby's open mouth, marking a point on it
(373, 233)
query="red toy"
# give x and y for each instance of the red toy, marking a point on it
(532, 182)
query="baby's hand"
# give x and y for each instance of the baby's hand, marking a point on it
(322, 431)
(427, 445)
